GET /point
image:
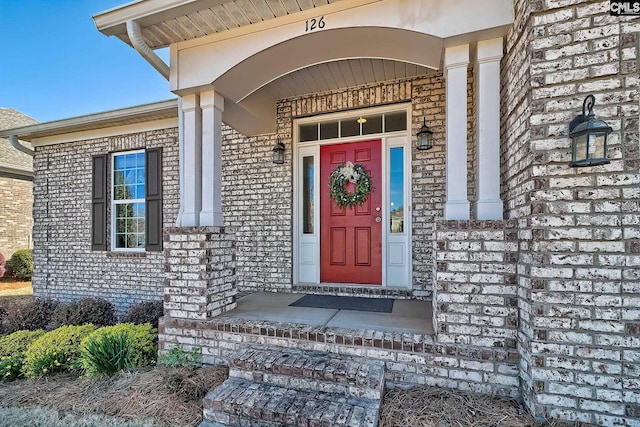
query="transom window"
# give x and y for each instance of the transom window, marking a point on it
(353, 126)
(128, 201)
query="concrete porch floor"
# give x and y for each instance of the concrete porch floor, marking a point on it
(407, 316)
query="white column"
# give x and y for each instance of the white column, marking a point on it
(456, 60)
(489, 204)
(212, 105)
(190, 161)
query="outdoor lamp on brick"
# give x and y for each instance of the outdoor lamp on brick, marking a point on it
(278, 152)
(588, 137)
(424, 137)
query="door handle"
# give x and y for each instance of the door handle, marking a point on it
(378, 219)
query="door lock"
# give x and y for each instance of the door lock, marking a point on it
(378, 209)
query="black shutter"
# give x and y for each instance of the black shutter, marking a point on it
(99, 203)
(154, 199)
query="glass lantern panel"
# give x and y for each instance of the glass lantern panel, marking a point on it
(580, 148)
(596, 145)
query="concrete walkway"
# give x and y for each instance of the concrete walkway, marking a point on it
(408, 316)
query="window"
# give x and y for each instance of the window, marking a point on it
(135, 188)
(354, 126)
(128, 201)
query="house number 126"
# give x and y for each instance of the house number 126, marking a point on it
(314, 24)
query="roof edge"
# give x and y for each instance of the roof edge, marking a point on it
(168, 108)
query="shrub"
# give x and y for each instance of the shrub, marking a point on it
(114, 348)
(36, 314)
(2, 265)
(144, 312)
(97, 311)
(22, 264)
(12, 352)
(177, 357)
(56, 351)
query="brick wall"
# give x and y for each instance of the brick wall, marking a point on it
(475, 298)
(257, 194)
(16, 204)
(579, 259)
(65, 266)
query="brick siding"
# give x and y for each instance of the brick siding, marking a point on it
(578, 266)
(16, 204)
(65, 267)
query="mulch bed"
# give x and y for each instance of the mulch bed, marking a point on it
(169, 396)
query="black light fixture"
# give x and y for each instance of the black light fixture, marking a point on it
(588, 137)
(278, 152)
(424, 137)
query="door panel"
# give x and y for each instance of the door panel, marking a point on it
(351, 239)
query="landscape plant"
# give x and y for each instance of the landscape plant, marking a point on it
(144, 312)
(115, 348)
(2, 265)
(97, 311)
(56, 351)
(176, 357)
(12, 352)
(22, 264)
(33, 315)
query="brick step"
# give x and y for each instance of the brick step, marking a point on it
(239, 402)
(310, 370)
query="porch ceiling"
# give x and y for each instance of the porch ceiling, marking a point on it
(170, 21)
(341, 74)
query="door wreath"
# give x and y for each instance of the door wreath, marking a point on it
(349, 173)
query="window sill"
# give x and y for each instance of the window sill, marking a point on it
(117, 254)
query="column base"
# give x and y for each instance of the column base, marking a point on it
(188, 219)
(489, 209)
(457, 210)
(211, 219)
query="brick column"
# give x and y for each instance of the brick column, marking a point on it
(475, 297)
(200, 267)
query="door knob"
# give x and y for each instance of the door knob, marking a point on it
(378, 219)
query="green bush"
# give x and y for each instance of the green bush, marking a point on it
(34, 315)
(177, 357)
(97, 311)
(144, 312)
(22, 264)
(114, 348)
(12, 352)
(56, 351)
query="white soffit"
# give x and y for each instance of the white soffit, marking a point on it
(170, 21)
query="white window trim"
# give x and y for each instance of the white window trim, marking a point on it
(119, 202)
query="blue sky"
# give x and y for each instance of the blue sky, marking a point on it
(57, 65)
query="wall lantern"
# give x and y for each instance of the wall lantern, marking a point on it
(278, 152)
(424, 137)
(588, 137)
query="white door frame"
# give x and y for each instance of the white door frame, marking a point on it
(306, 247)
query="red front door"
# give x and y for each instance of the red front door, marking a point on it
(351, 238)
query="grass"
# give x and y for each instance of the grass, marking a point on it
(10, 287)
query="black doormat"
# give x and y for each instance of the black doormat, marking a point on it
(378, 305)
